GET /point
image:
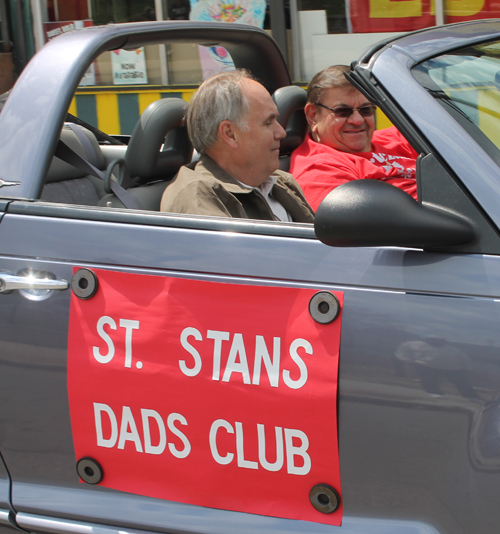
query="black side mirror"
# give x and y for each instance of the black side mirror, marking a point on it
(366, 213)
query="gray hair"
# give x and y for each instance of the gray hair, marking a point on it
(218, 98)
(331, 77)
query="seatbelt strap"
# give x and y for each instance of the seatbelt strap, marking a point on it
(67, 154)
(85, 142)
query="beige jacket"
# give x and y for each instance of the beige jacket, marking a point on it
(207, 189)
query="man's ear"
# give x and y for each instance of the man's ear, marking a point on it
(311, 111)
(227, 134)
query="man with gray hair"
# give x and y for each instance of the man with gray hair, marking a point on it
(232, 123)
(342, 144)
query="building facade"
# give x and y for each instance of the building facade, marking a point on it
(312, 34)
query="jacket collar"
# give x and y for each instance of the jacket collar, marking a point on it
(232, 185)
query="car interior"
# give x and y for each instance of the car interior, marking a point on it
(157, 148)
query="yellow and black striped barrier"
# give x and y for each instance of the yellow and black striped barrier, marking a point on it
(116, 110)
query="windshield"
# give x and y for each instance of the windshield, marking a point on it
(467, 84)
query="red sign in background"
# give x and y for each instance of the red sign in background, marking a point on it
(213, 394)
(408, 15)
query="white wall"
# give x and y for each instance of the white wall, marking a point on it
(320, 50)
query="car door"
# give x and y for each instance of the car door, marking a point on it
(40, 446)
(418, 381)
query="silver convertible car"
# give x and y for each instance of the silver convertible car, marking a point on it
(185, 374)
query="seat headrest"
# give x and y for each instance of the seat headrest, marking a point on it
(60, 170)
(290, 101)
(159, 144)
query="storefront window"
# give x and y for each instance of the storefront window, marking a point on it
(337, 31)
(313, 34)
(177, 9)
(105, 12)
(334, 13)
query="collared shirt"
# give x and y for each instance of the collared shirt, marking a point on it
(265, 189)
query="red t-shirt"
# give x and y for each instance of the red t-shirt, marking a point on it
(319, 168)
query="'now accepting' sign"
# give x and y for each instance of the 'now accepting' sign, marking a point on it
(212, 394)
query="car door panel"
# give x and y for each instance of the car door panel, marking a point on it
(93, 241)
(402, 422)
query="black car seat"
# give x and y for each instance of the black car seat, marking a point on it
(290, 101)
(158, 148)
(67, 184)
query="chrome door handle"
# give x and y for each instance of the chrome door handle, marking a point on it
(9, 282)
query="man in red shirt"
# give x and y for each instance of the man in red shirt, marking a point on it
(342, 144)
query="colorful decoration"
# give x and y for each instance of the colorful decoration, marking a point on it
(239, 11)
(216, 59)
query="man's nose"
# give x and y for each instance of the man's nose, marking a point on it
(356, 117)
(280, 132)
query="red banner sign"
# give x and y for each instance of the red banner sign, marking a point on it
(407, 15)
(213, 394)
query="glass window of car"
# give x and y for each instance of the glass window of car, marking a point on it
(467, 83)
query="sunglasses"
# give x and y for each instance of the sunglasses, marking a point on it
(343, 112)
